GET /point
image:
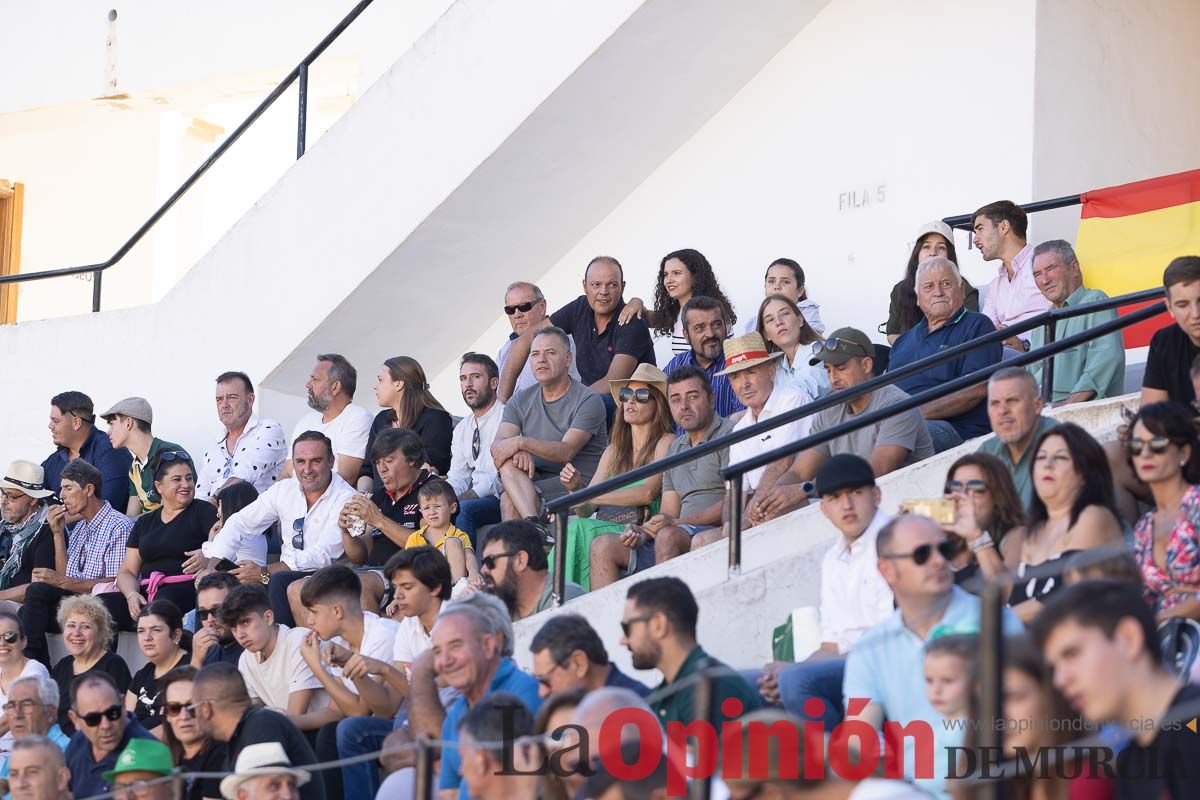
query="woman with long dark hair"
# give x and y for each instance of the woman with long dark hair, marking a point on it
(990, 523)
(785, 276)
(1165, 455)
(682, 275)
(160, 638)
(1072, 510)
(403, 391)
(933, 239)
(191, 748)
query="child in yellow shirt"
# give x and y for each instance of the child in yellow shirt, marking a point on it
(438, 504)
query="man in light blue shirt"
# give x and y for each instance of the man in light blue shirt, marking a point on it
(1093, 370)
(32, 708)
(886, 666)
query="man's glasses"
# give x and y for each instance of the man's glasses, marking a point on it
(1157, 444)
(627, 624)
(489, 562)
(202, 614)
(640, 395)
(112, 714)
(21, 709)
(522, 307)
(836, 345)
(966, 487)
(173, 710)
(921, 553)
(298, 531)
(475, 443)
(544, 680)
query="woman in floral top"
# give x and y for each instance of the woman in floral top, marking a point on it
(1164, 453)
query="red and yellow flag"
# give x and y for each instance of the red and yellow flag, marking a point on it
(1128, 234)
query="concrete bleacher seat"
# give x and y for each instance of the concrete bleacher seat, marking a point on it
(127, 648)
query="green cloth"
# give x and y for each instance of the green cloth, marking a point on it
(580, 533)
(1020, 471)
(1098, 365)
(679, 706)
(144, 473)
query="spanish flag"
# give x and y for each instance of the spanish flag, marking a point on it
(1128, 234)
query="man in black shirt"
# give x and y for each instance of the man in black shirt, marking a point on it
(224, 713)
(1099, 638)
(214, 641)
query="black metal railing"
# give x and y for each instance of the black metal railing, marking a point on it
(963, 221)
(560, 507)
(300, 73)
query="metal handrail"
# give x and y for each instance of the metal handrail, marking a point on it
(963, 221)
(300, 72)
(560, 507)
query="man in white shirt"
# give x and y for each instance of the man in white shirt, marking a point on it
(340, 631)
(307, 507)
(854, 596)
(751, 371)
(473, 473)
(276, 674)
(331, 389)
(1013, 295)
(250, 448)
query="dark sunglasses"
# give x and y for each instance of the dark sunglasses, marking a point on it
(475, 443)
(640, 395)
(112, 714)
(175, 709)
(489, 562)
(167, 456)
(203, 614)
(968, 487)
(1157, 444)
(298, 531)
(627, 624)
(836, 345)
(11, 637)
(522, 307)
(921, 554)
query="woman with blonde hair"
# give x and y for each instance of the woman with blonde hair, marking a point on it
(87, 632)
(403, 392)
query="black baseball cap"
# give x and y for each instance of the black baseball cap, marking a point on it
(843, 471)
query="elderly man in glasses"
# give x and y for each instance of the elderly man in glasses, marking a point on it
(886, 664)
(103, 728)
(899, 440)
(31, 710)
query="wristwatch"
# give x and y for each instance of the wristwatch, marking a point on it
(264, 576)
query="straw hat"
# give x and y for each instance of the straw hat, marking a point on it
(645, 373)
(27, 477)
(746, 351)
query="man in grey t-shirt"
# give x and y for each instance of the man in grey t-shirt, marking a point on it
(545, 426)
(900, 440)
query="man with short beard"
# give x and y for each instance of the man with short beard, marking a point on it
(334, 413)
(250, 448)
(214, 641)
(514, 568)
(705, 327)
(472, 472)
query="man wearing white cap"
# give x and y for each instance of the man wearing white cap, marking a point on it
(264, 772)
(26, 541)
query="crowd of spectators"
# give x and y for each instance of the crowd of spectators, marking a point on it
(352, 586)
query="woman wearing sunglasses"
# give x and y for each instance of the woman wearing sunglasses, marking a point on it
(87, 632)
(13, 665)
(1072, 510)
(990, 526)
(191, 749)
(642, 431)
(1164, 453)
(682, 275)
(403, 392)
(160, 543)
(159, 635)
(783, 327)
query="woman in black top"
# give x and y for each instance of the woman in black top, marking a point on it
(159, 543)
(191, 749)
(87, 632)
(403, 391)
(160, 636)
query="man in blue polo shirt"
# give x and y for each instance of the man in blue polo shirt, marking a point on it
(73, 430)
(963, 415)
(467, 656)
(706, 329)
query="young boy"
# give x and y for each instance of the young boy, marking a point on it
(1100, 639)
(438, 505)
(276, 674)
(948, 662)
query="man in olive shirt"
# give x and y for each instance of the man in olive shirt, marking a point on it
(1015, 410)
(129, 424)
(514, 567)
(659, 628)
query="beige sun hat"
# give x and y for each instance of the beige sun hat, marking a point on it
(746, 351)
(645, 373)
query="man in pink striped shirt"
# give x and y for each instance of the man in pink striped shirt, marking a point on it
(999, 230)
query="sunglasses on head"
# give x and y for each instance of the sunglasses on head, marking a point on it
(298, 531)
(112, 714)
(1157, 445)
(167, 456)
(836, 345)
(522, 307)
(968, 487)
(920, 554)
(489, 562)
(640, 395)
(175, 709)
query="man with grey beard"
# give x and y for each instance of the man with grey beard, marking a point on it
(330, 396)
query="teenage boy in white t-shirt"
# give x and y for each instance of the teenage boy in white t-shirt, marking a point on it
(276, 674)
(340, 630)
